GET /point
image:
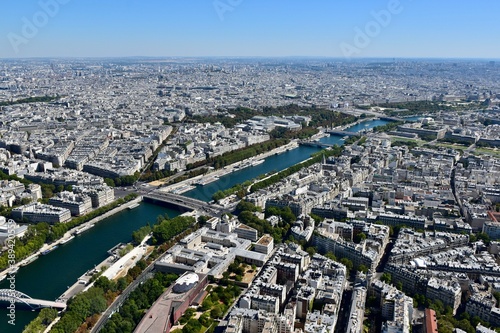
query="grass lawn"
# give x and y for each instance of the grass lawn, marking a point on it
(395, 139)
(486, 151)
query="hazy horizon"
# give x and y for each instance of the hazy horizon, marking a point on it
(250, 57)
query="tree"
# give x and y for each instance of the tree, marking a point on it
(419, 300)
(110, 182)
(445, 326)
(359, 237)
(438, 306)
(317, 219)
(47, 315)
(206, 305)
(311, 250)
(347, 263)
(386, 277)
(192, 326)
(121, 284)
(202, 219)
(139, 235)
(216, 312)
(98, 304)
(205, 319)
(246, 206)
(496, 294)
(362, 268)
(484, 237)
(104, 283)
(68, 323)
(80, 307)
(331, 256)
(25, 201)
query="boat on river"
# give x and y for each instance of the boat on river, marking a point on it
(79, 231)
(29, 261)
(44, 253)
(64, 241)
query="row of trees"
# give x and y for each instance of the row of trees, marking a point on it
(409, 143)
(234, 156)
(84, 309)
(283, 133)
(335, 151)
(38, 99)
(190, 174)
(123, 180)
(239, 189)
(86, 304)
(167, 228)
(42, 233)
(483, 144)
(132, 310)
(455, 140)
(149, 175)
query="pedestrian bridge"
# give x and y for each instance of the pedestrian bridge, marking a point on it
(9, 295)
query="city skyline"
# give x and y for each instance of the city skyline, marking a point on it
(224, 28)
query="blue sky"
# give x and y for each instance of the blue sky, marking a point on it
(326, 28)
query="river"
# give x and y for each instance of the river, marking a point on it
(50, 275)
(272, 163)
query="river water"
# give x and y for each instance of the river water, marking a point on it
(50, 275)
